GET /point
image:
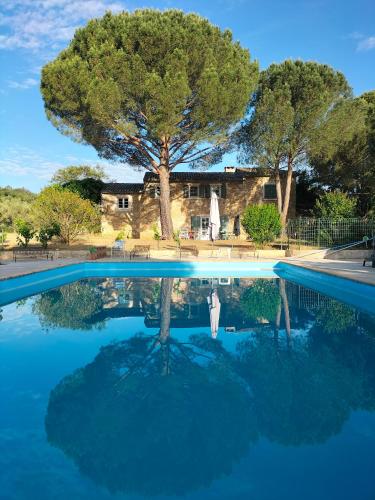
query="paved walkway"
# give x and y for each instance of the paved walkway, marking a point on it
(351, 269)
(12, 269)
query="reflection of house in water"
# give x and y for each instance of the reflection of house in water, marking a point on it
(140, 297)
(126, 297)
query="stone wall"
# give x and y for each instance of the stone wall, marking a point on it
(137, 222)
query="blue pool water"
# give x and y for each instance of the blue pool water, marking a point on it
(202, 382)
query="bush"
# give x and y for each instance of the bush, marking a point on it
(25, 232)
(156, 232)
(73, 215)
(335, 205)
(46, 234)
(262, 223)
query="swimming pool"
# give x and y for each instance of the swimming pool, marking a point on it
(208, 381)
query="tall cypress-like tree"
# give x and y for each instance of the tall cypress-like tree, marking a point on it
(290, 116)
(152, 89)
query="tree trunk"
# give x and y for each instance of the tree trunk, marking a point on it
(278, 191)
(165, 204)
(288, 188)
(285, 301)
(166, 287)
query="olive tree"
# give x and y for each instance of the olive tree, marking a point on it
(151, 89)
(72, 214)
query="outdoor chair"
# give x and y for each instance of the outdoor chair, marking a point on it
(118, 248)
(140, 251)
(184, 234)
(369, 259)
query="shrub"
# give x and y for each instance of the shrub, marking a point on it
(120, 236)
(156, 231)
(46, 234)
(25, 232)
(335, 205)
(73, 215)
(262, 223)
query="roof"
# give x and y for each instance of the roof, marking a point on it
(236, 176)
(122, 188)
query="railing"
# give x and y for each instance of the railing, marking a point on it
(328, 233)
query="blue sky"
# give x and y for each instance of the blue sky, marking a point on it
(340, 33)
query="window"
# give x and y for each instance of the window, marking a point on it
(224, 281)
(123, 203)
(204, 190)
(193, 191)
(216, 188)
(269, 191)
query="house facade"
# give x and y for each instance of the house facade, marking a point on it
(134, 207)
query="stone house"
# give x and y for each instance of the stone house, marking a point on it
(134, 207)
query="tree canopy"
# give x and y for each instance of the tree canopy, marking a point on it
(293, 104)
(154, 89)
(78, 173)
(15, 203)
(350, 162)
(335, 206)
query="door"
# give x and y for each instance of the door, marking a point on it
(205, 233)
(200, 226)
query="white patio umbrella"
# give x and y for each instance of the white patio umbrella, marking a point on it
(214, 308)
(214, 222)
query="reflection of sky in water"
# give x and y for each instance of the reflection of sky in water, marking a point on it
(36, 355)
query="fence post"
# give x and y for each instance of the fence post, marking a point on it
(299, 233)
(319, 233)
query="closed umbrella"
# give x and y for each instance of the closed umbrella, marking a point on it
(214, 308)
(214, 222)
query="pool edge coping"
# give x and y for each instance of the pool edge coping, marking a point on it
(299, 264)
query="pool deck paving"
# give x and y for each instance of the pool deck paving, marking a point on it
(350, 269)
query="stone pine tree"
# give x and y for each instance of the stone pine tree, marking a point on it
(288, 113)
(152, 89)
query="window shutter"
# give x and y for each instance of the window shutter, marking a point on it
(224, 222)
(223, 190)
(186, 191)
(207, 191)
(201, 190)
(195, 222)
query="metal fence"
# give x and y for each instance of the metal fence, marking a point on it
(327, 233)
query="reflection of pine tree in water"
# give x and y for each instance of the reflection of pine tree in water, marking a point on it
(152, 415)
